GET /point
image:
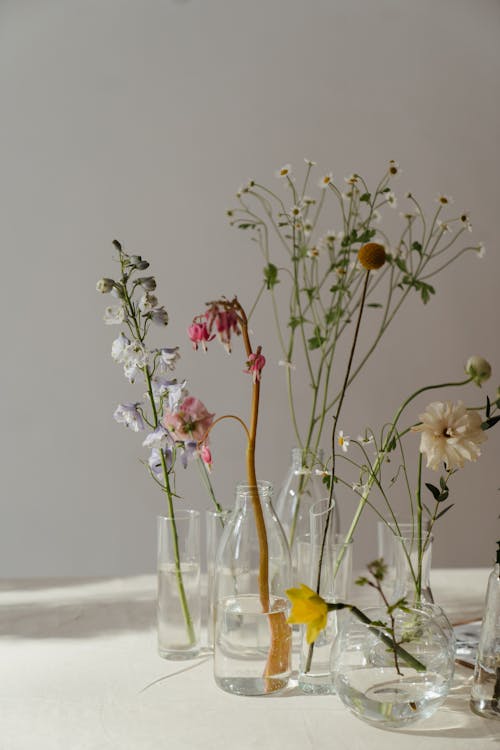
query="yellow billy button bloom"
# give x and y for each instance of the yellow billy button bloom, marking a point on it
(308, 608)
(371, 256)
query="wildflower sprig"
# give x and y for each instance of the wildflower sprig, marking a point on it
(451, 434)
(175, 419)
(317, 272)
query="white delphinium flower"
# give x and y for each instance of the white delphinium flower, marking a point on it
(105, 285)
(177, 392)
(147, 302)
(167, 358)
(114, 316)
(343, 440)
(450, 434)
(119, 346)
(148, 283)
(159, 316)
(159, 438)
(160, 386)
(134, 358)
(478, 368)
(130, 416)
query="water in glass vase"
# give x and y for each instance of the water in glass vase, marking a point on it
(379, 696)
(243, 642)
(176, 640)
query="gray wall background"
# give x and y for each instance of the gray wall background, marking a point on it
(139, 120)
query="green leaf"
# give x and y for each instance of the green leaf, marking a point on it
(433, 490)
(246, 225)
(271, 275)
(311, 292)
(449, 507)
(488, 407)
(315, 342)
(367, 235)
(400, 264)
(326, 479)
(417, 247)
(332, 316)
(365, 198)
(374, 304)
(491, 422)
(295, 321)
(425, 291)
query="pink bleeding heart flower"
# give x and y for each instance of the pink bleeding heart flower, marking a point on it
(206, 456)
(255, 363)
(199, 334)
(190, 421)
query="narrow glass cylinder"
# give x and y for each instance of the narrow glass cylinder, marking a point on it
(412, 557)
(331, 555)
(485, 697)
(252, 638)
(215, 523)
(178, 599)
(302, 487)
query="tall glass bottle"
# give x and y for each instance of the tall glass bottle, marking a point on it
(252, 646)
(303, 486)
(485, 698)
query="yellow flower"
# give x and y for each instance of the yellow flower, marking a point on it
(371, 256)
(308, 608)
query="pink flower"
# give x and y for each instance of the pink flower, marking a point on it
(206, 456)
(190, 421)
(199, 334)
(255, 364)
(226, 322)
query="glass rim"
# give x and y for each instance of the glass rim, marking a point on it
(317, 514)
(182, 514)
(217, 513)
(263, 486)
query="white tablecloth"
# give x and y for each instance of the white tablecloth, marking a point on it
(79, 671)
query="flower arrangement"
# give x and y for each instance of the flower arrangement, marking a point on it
(177, 423)
(316, 274)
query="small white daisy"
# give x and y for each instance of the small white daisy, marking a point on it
(481, 250)
(352, 179)
(310, 163)
(464, 218)
(394, 168)
(444, 200)
(365, 439)
(444, 226)
(343, 440)
(325, 181)
(284, 172)
(308, 201)
(391, 199)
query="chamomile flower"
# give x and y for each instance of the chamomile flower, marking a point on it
(391, 199)
(464, 219)
(295, 212)
(365, 439)
(444, 226)
(308, 201)
(308, 227)
(394, 168)
(352, 179)
(376, 217)
(284, 172)
(310, 163)
(343, 440)
(326, 180)
(444, 200)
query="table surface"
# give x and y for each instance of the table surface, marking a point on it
(79, 671)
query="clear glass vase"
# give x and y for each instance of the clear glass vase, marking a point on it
(252, 647)
(303, 486)
(385, 690)
(215, 523)
(412, 559)
(178, 599)
(485, 696)
(331, 568)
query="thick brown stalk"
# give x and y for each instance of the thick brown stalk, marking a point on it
(279, 651)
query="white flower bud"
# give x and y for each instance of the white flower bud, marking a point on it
(148, 283)
(105, 285)
(478, 369)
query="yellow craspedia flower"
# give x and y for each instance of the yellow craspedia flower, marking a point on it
(308, 608)
(371, 256)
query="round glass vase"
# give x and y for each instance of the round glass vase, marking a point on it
(303, 486)
(178, 599)
(252, 646)
(331, 568)
(381, 688)
(412, 561)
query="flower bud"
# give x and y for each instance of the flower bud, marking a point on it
(148, 283)
(478, 369)
(105, 285)
(371, 256)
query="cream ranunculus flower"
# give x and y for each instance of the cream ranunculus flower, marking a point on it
(450, 433)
